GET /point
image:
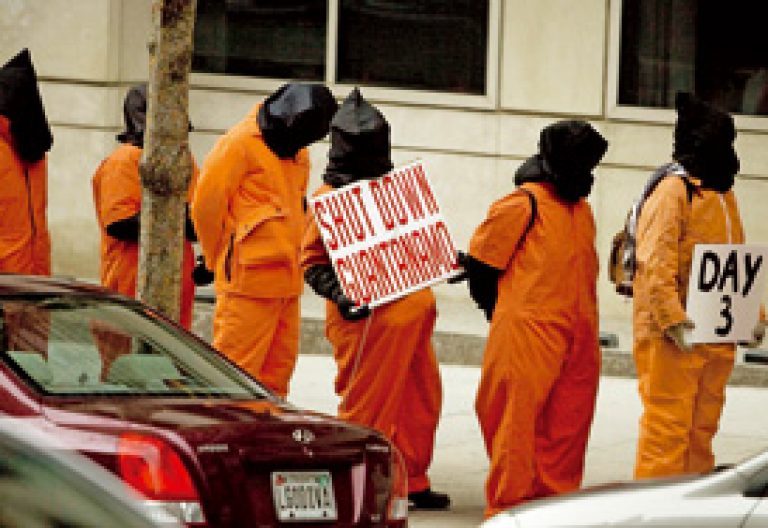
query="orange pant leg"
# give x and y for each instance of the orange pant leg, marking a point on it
(709, 406)
(420, 412)
(669, 380)
(388, 377)
(565, 422)
(259, 335)
(521, 363)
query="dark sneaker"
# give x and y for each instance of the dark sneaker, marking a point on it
(428, 500)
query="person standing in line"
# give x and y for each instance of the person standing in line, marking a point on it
(117, 198)
(682, 386)
(248, 212)
(532, 267)
(388, 376)
(25, 137)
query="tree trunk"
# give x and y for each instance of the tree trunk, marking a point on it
(166, 166)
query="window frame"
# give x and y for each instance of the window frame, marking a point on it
(616, 111)
(487, 101)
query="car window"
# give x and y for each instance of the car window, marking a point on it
(81, 346)
(37, 492)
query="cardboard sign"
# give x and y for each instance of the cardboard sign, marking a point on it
(386, 237)
(726, 286)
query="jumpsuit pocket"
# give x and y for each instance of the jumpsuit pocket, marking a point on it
(262, 238)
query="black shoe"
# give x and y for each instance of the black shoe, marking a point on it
(428, 500)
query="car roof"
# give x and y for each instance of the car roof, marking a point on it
(12, 284)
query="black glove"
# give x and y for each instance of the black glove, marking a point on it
(483, 282)
(350, 311)
(461, 257)
(189, 227)
(201, 275)
(127, 229)
(323, 281)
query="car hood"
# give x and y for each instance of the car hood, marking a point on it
(619, 504)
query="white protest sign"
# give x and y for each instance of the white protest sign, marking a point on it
(726, 285)
(386, 237)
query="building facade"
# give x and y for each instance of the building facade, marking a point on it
(466, 85)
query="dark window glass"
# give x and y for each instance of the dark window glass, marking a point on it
(717, 50)
(422, 44)
(283, 39)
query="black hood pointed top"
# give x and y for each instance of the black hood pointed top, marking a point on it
(569, 151)
(704, 137)
(21, 103)
(295, 116)
(135, 116)
(360, 147)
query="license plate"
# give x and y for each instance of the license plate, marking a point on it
(303, 496)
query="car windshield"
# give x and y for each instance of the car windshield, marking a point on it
(97, 346)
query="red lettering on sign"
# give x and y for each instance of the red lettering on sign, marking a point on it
(354, 219)
(385, 250)
(330, 239)
(395, 200)
(382, 272)
(427, 261)
(426, 192)
(361, 207)
(347, 286)
(410, 194)
(338, 221)
(381, 204)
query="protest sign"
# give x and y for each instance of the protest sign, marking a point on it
(726, 286)
(386, 237)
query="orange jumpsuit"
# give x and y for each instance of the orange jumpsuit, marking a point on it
(682, 392)
(117, 196)
(388, 376)
(541, 365)
(248, 213)
(25, 244)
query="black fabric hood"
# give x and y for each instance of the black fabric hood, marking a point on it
(21, 103)
(135, 116)
(569, 151)
(360, 147)
(295, 116)
(704, 137)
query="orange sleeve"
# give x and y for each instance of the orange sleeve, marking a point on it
(495, 240)
(313, 250)
(120, 190)
(222, 172)
(41, 245)
(193, 181)
(660, 231)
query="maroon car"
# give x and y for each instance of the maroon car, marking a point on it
(197, 437)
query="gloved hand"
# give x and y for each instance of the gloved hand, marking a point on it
(349, 310)
(201, 275)
(758, 334)
(462, 259)
(677, 334)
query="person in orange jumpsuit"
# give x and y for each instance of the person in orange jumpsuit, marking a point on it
(533, 270)
(388, 376)
(25, 137)
(682, 387)
(117, 197)
(248, 212)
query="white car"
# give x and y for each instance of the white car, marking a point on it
(731, 497)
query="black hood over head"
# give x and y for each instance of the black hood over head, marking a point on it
(569, 151)
(704, 137)
(21, 103)
(360, 147)
(135, 115)
(295, 116)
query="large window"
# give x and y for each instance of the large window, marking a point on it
(429, 45)
(262, 38)
(717, 50)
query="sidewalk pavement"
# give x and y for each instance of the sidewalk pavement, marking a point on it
(460, 463)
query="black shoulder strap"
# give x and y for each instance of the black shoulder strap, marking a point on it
(534, 211)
